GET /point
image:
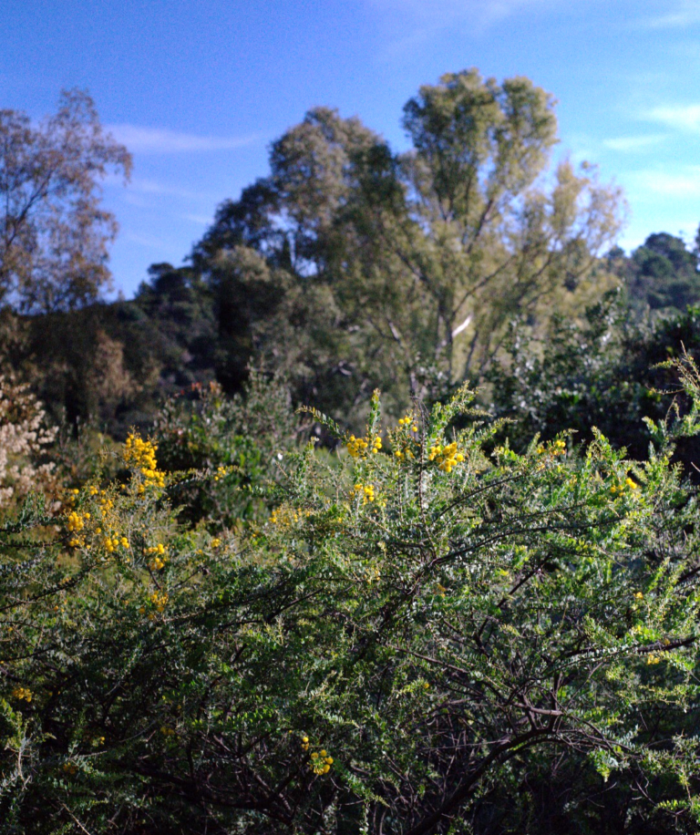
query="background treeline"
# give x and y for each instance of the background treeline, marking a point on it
(350, 268)
(115, 362)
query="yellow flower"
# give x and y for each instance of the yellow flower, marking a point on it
(320, 763)
(76, 522)
(22, 693)
(159, 600)
(357, 447)
(446, 457)
(141, 455)
(366, 491)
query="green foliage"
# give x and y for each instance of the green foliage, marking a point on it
(661, 276)
(351, 267)
(604, 372)
(239, 443)
(419, 627)
(482, 618)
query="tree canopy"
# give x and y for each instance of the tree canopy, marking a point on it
(53, 232)
(418, 259)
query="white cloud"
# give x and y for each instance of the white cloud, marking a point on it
(421, 20)
(162, 141)
(144, 239)
(683, 184)
(681, 13)
(146, 186)
(685, 117)
(201, 220)
(633, 143)
(441, 12)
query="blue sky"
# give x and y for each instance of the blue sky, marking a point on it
(197, 89)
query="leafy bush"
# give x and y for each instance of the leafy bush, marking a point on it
(605, 373)
(417, 627)
(239, 441)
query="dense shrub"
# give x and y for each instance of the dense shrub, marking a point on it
(417, 630)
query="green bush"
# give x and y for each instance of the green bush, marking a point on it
(419, 627)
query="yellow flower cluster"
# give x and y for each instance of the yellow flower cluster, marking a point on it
(358, 447)
(446, 457)
(320, 762)
(283, 516)
(141, 455)
(76, 522)
(158, 554)
(159, 599)
(619, 489)
(111, 543)
(653, 659)
(557, 448)
(70, 768)
(222, 472)
(366, 491)
(22, 693)
(409, 420)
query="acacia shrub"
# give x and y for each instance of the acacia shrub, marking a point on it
(417, 624)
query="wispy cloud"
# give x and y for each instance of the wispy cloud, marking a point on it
(680, 13)
(443, 12)
(684, 183)
(149, 241)
(200, 220)
(146, 186)
(419, 21)
(627, 144)
(162, 141)
(685, 117)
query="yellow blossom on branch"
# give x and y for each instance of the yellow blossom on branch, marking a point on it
(366, 491)
(446, 457)
(22, 693)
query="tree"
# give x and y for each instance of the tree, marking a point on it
(662, 275)
(53, 232)
(425, 255)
